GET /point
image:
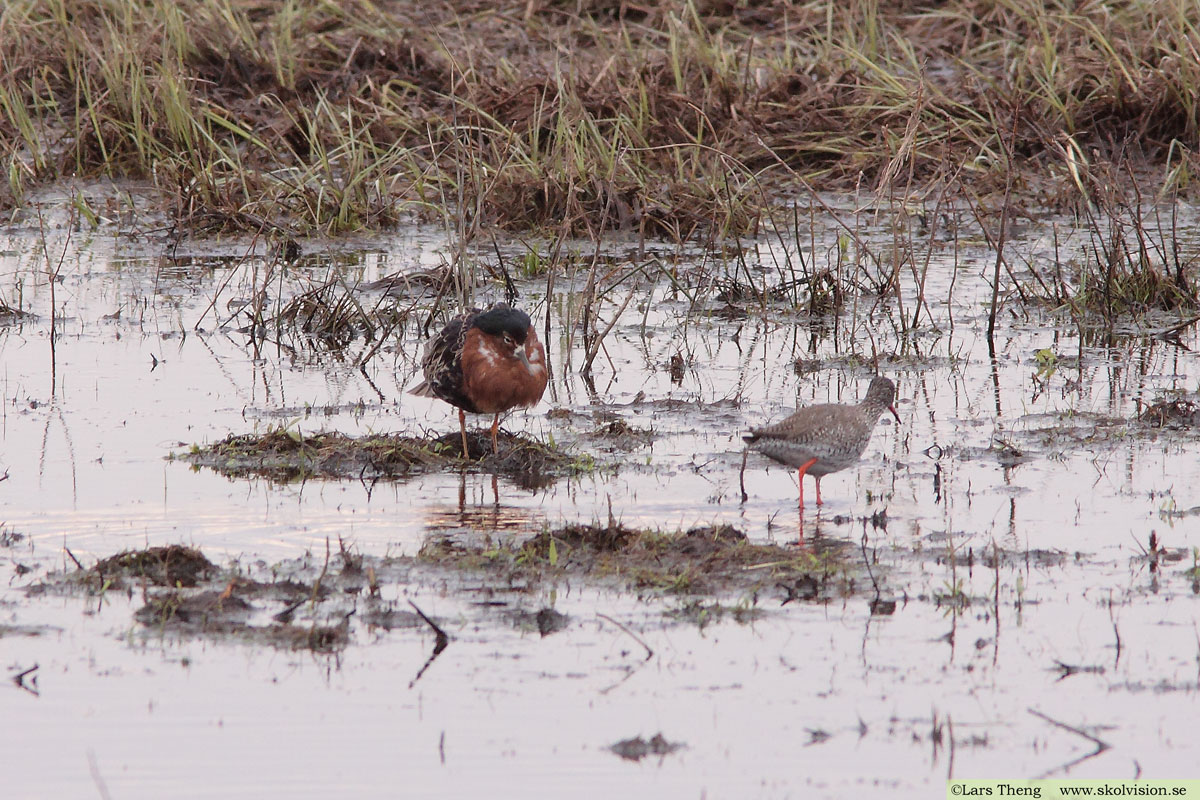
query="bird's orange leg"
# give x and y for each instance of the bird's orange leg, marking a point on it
(495, 425)
(800, 474)
(462, 427)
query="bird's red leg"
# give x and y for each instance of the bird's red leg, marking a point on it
(803, 469)
(495, 425)
(462, 427)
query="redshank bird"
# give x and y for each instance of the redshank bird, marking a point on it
(485, 362)
(821, 439)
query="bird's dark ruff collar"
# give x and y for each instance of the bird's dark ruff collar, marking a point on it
(501, 319)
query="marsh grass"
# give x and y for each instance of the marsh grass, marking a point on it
(1133, 260)
(11, 314)
(678, 119)
(329, 316)
(721, 124)
(310, 305)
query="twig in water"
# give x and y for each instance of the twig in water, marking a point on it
(950, 738)
(634, 636)
(285, 616)
(867, 562)
(440, 643)
(52, 273)
(1101, 745)
(1116, 631)
(598, 342)
(996, 599)
(1008, 181)
(442, 639)
(1197, 632)
(72, 555)
(742, 474)
(94, 768)
(317, 583)
(1096, 740)
(19, 680)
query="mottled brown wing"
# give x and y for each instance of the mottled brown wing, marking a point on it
(442, 364)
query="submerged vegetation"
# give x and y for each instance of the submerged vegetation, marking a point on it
(676, 119)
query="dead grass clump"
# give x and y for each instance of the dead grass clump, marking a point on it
(10, 315)
(616, 433)
(203, 612)
(221, 613)
(545, 621)
(1176, 413)
(332, 318)
(701, 561)
(707, 559)
(173, 565)
(1135, 258)
(286, 455)
(701, 614)
(638, 748)
(1127, 275)
(9, 537)
(1125, 286)
(532, 464)
(185, 595)
(318, 638)
(586, 539)
(285, 306)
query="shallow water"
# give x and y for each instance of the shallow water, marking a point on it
(807, 700)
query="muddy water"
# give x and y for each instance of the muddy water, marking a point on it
(1039, 458)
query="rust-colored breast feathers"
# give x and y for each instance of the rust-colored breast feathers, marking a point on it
(496, 380)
